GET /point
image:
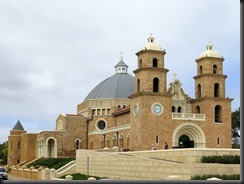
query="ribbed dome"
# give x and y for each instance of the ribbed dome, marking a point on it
(120, 85)
(209, 52)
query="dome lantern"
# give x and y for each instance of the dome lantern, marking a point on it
(210, 52)
(151, 45)
(121, 67)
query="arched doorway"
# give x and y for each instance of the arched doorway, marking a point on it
(188, 135)
(185, 142)
(51, 148)
(50, 151)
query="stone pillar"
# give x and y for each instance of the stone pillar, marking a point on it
(69, 177)
(52, 173)
(173, 177)
(45, 174)
(45, 154)
(20, 172)
(91, 178)
(40, 173)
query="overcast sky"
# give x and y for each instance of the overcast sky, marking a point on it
(54, 52)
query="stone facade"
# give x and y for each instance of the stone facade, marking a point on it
(152, 115)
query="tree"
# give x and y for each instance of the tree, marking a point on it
(4, 152)
(236, 126)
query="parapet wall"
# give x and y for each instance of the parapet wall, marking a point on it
(152, 165)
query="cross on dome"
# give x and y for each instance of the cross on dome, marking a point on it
(121, 67)
(209, 46)
(150, 38)
(121, 56)
(174, 76)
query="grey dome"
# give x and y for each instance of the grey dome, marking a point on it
(120, 85)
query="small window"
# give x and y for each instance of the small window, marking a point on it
(216, 90)
(217, 114)
(77, 144)
(179, 109)
(218, 141)
(200, 69)
(199, 91)
(155, 62)
(214, 68)
(198, 109)
(138, 85)
(173, 108)
(155, 85)
(157, 139)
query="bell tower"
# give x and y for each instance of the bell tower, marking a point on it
(151, 74)
(210, 98)
(150, 103)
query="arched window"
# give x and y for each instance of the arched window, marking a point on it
(155, 84)
(121, 141)
(108, 141)
(138, 85)
(140, 63)
(199, 91)
(91, 144)
(217, 114)
(114, 140)
(216, 90)
(155, 62)
(218, 141)
(119, 107)
(179, 109)
(173, 108)
(198, 109)
(200, 69)
(128, 140)
(77, 144)
(214, 68)
(102, 142)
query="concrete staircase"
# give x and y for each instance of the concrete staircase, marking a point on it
(69, 168)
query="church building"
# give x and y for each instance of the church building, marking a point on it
(135, 112)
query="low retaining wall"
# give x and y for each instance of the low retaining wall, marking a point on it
(190, 155)
(150, 165)
(31, 173)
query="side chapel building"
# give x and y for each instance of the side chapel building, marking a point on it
(132, 113)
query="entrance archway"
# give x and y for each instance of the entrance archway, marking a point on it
(188, 135)
(51, 147)
(185, 142)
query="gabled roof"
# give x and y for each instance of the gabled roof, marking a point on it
(18, 126)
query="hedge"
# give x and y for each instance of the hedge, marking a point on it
(224, 159)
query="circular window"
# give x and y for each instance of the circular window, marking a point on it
(101, 124)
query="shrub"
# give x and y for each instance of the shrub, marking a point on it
(54, 163)
(225, 159)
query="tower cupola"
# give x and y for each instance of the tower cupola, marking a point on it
(210, 52)
(151, 45)
(121, 67)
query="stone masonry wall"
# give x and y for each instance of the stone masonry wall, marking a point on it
(130, 166)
